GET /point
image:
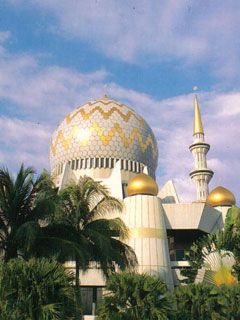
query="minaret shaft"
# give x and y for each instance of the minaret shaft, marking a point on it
(200, 175)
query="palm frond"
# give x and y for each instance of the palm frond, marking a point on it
(106, 207)
(23, 199)
(84, 208)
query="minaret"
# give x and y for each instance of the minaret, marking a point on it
(201, 175)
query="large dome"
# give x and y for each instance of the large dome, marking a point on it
(104, 129)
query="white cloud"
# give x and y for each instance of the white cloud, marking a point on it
(45, 93)
(125, 30)
(4, 36)
(194, 32)
(23, 142)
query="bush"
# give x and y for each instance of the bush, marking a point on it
(134, 296)
(201, 302)
(38, 289)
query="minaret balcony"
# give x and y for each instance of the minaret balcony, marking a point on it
(199, 145)
(198, 172)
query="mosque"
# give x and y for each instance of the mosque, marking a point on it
(110, 142)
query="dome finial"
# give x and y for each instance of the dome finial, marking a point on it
(105, 97)
(198, 127)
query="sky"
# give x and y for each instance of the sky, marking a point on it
(57, 54)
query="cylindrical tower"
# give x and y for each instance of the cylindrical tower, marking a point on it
(144, 216)
(201, 175)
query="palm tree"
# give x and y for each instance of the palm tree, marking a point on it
(232, 229)
(24, 202)
(217, 268)
(133, 296)
(38, 289)
(218, 242)
(86, 235)
(203, 302)
(233, 219)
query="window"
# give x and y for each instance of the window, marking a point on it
(73, 163)
(97, 162)
(90, 296)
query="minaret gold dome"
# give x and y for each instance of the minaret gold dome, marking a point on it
(142, 184)
(221, 196)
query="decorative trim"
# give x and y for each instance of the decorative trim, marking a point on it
(147, 233)
(105, 114)
(199, 145)
(93, 163)
(201, 171)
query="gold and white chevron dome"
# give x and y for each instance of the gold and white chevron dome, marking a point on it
(104, 128)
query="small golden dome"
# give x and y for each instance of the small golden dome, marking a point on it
(142, 184)
(221, 196)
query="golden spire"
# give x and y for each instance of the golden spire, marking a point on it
(198, 128)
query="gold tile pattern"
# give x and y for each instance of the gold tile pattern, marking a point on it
(104, 128)
(105, 114)
(106, 138)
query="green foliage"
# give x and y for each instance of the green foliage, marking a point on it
(232, 218)
(227, 239)
(232, 227)
(195, 256)
(24, 201)
(36, 221)
(203, 302)
(134, 296)
(84, 222)
(38, 289)
(84, 232)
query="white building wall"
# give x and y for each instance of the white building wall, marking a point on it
(148, 237)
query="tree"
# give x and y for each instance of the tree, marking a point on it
(38, 289)
(232, 228)
(195, 256)
(206, 302)
(133, 296)
(25, 201)
(86, 235)
(222, 240)
(233, 219)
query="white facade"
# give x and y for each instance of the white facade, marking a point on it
(144, 216)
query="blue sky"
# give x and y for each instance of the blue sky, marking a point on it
(58, 54)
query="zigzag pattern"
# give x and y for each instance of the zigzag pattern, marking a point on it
(106, 138)
(106, 101)
(105, 114)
